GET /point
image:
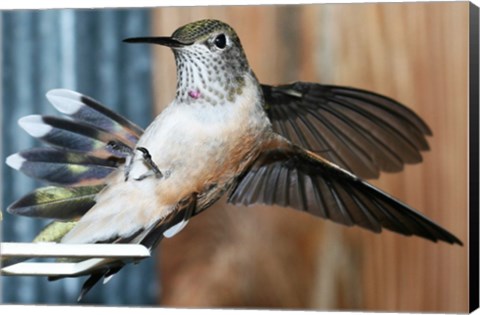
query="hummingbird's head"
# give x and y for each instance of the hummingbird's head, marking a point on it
(211, 64)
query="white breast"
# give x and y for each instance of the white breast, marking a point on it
(182, 137)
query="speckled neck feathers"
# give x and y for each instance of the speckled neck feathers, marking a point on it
(212, 67)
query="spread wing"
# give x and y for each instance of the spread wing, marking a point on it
(292, 177)
(357, 130)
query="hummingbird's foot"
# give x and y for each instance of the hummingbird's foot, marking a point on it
(121, 149)
(150, 163)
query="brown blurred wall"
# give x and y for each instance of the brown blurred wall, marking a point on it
(270, 257)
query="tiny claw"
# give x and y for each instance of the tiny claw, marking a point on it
(148, 159)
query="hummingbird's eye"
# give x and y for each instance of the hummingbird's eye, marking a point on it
(220, 41)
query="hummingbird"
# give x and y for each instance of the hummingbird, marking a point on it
(307, 146)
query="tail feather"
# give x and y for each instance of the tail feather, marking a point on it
(59, 203)
(62, 167)
(54, 231)
(106, 274)
(90, 111)
(68, 134)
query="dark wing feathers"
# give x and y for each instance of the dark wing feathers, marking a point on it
(358, 130)
(306, 181)
(374, 101)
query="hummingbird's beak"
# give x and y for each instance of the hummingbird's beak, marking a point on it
(164, 41)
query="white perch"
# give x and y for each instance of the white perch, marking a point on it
(92, 257)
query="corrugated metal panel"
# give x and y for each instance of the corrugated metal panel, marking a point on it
(80, 50)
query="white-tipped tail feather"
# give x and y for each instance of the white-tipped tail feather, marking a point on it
(65, 101)
(34, 126)
(15, 161)
(174, 230)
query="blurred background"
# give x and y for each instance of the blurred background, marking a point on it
(264, 257)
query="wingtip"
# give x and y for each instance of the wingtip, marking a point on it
(15, 161)
(64, 100)
(450, 239)
(34, 126)
(456, 241)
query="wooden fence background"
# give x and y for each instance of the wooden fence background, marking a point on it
(279, 258)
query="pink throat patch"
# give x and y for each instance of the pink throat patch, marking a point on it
(194, 94)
